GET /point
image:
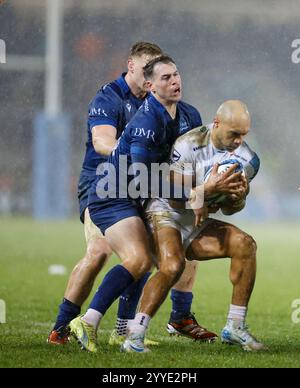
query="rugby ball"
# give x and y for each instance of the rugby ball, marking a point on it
(223, 167)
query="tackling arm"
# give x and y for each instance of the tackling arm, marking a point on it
(104, 139)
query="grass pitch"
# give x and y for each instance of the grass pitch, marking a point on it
(32, 296)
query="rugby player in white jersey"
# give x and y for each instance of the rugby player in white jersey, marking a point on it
(208, 146)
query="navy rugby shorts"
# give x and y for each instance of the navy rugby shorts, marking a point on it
(106, 212)
(84, 184)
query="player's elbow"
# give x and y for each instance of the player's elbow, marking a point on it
(230, 210)
(102, 148)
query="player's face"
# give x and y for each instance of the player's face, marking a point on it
(166, 83)
(136, 65)
(232, 134)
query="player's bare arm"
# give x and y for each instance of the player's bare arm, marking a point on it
(104, 138)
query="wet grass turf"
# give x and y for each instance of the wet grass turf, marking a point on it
(32, 296)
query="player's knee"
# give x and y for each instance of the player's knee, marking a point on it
(98, 252)
(144, 268)
(138, 265)
(245, 244)
(173, 267)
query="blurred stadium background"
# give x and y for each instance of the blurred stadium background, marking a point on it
(228, 49)
(224, 49)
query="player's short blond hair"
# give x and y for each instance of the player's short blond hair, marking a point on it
(147, 48)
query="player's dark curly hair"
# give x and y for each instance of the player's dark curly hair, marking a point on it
(149, 68)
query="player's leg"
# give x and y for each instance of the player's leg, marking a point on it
(81, 280)
(182, 320)
(171, 263)
(220, 240)
(128, 238)
(182, 292)
(85, 272)
(128, 303)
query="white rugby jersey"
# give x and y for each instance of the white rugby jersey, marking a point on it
(195, 149)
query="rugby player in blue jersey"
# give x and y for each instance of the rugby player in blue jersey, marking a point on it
(147, 139)
(109, 112)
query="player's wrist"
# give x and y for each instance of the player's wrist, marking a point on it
(196, 197)
(209, 189)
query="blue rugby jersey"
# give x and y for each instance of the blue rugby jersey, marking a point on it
(115, 105)
(148, 138)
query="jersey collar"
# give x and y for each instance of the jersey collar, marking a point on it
(160, 107)
(126, 89)
(123, 84)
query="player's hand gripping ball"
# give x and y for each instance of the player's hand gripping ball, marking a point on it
(223, 167)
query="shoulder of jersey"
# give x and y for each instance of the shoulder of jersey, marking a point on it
(247, 151)
(197, 137)
(187, 105)
(112, 89)
(145, 117)
(147, 109)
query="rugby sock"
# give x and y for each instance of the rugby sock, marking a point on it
(181, 304)
(140, 323)
(237, 314)
(67, 312)
(112, 286)
(128, 303)
(121, 326)
(92, 317)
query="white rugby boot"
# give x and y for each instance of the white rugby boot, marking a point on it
(236, 333)
(134, 343)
